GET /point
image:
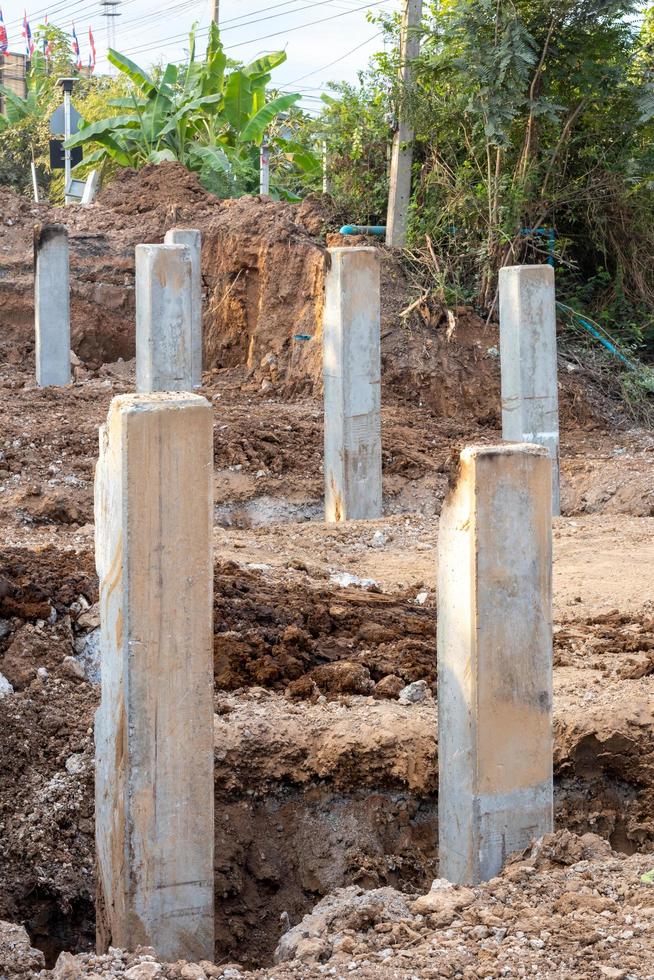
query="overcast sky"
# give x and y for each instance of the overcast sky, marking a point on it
(148, 32)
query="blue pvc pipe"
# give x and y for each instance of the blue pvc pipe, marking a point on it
(363, 230)
(548, 233)
(594, 332)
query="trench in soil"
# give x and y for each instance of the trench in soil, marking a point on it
(277, 856)
(288, 831)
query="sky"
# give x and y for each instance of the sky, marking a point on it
(335, 49)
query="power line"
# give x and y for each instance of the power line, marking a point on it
(344, 13)
(238, 21)
(244, 23)
(174, 8)
(146, 19)
(62, 8)
(336, 60)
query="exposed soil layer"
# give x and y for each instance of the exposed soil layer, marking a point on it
(331, 781)
(263, 266)
(268, 453)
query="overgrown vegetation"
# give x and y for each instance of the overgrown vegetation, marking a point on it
(202, 114)
(534, 134)
(211, 114)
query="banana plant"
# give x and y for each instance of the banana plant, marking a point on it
(209, 115)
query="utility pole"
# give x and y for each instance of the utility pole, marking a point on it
(110, 12)
(402, 155)
(216, 12)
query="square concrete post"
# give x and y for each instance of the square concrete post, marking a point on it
(352, 376)
(494, 660)
(192, 238)
(530, 399)
(154, 728)
(164, 318)
(52, 305)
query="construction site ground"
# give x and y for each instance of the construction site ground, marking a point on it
(325, 775)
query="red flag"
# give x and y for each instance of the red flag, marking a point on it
(92, 54)
(75, 47)
(47, 45)
(4, 43)
(27, 34)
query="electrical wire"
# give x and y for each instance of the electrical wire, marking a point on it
(336, 60)
(174, 8)
(264, 37)
(61, 8)
(166, 42)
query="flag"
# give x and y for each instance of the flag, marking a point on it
(27, 34)
(4, 43)
(76, 51)
(92, 53)
(47, 45)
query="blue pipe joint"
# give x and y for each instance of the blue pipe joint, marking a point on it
(363, 230)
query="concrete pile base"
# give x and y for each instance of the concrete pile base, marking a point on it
(352, 376)
(494, 660)
(154, 726)
(52, 305)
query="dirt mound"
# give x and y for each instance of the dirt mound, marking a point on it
(263, 266)
(270, 635)
(167, 185)
(546, 923)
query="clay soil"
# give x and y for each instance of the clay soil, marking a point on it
(325, 782)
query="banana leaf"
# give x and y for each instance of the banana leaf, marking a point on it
(265, 64)
(93, 131)
(255, 128)
(128, 67)
(238, 100)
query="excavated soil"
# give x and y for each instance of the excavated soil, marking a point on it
(325, 779)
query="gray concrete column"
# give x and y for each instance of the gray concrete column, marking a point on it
(530, 400)
(192, 238)
(352, 377)
(164, 318)
(51, 305)
(494, 660)
(154, 811)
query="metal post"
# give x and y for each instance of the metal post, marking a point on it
(264, 168)
(35, 183)
(67, 86)
(66, 136)
(326, 189)
(402, 154)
